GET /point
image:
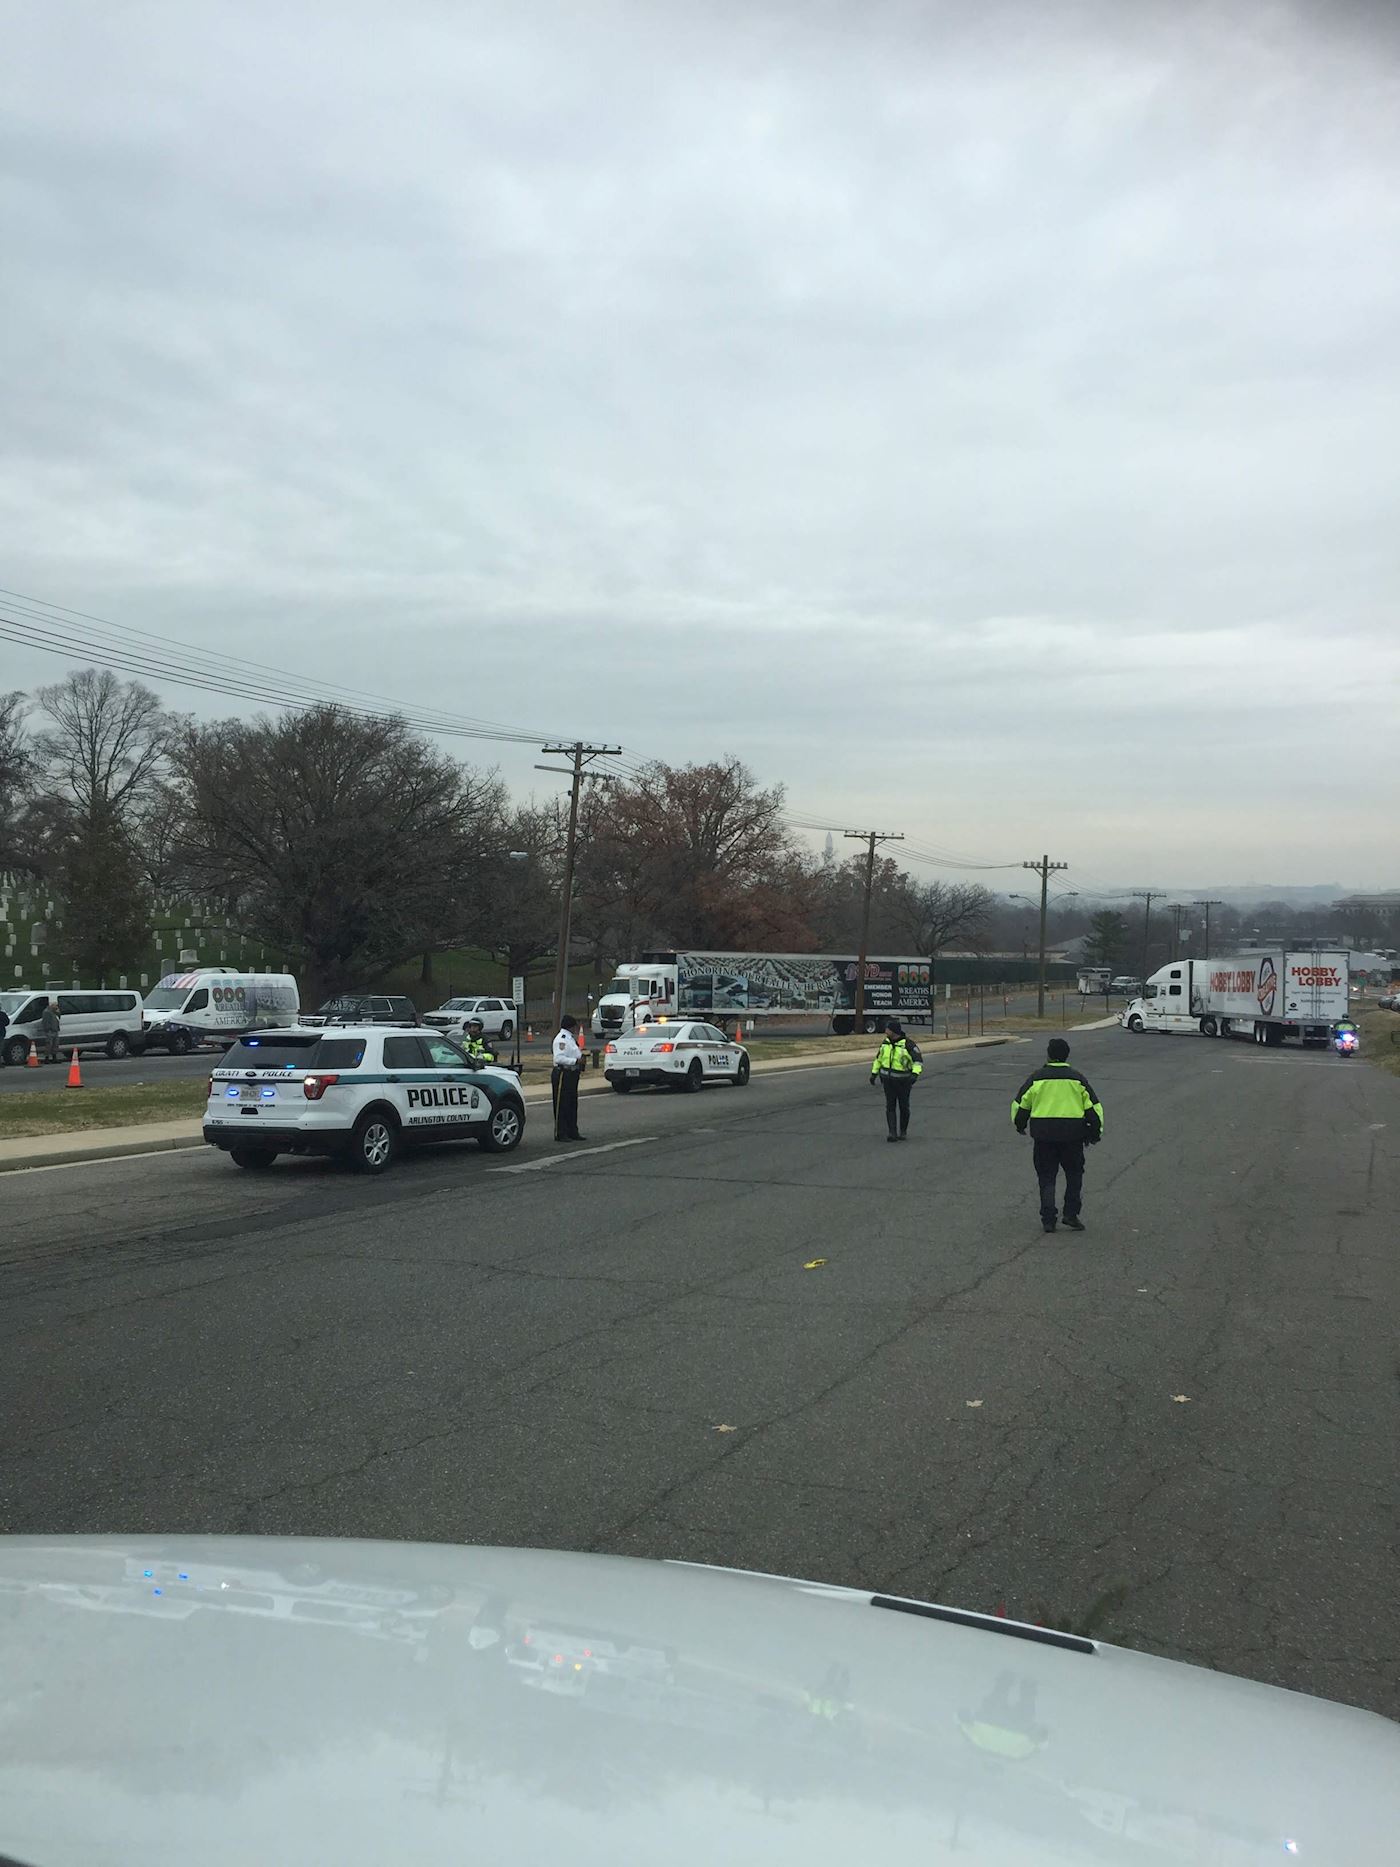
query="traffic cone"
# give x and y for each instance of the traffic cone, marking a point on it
(529, 1033)
(32, 1060)
(75, 1075)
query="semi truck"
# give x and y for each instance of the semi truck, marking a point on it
(725, 987)
(1267, 995)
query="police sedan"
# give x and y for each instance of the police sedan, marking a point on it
(676, 1056)
(363, 1091)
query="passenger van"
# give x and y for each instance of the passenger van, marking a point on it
(216, 1005)
(109, 1021)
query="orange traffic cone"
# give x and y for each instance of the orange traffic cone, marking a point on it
(529, 1033)
(32, 1060)
(75, 1075)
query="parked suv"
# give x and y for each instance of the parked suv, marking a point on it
(364, 1008)
(497, 1016)
(109, 1021)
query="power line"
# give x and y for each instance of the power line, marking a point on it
(181, 664)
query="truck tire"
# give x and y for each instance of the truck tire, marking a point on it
(842, 1026)
(1209, 1028)
(1135, 1023)
(871, 1026)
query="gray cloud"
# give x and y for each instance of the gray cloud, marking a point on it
(879, 393)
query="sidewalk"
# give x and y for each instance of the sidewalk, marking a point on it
(72, 1149)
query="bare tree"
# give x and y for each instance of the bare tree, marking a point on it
(937, 914)
(523, 924)
(694, 855)
(351, 843)
(105, 743)
(18, 769)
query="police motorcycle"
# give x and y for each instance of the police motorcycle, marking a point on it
(1346, 1039)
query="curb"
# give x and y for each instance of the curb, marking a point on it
(78, 1151)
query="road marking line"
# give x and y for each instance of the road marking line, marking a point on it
(559, 1160)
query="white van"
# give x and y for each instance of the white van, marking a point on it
(109, 1021)
(216, 1005)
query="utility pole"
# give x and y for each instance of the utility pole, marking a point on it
(1207, 905)
(870, 838)
(1147, 896)
(580, 755)
(1176, 908)
(1045, 868)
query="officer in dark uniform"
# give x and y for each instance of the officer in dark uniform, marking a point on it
(563, 1080)
(1062, 1112)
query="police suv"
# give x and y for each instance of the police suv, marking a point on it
(363, 1091)
(678, 1056)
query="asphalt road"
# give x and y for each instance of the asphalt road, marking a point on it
(158, 1066)
(1183, 1426)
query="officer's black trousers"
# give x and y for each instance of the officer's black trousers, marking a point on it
(1050, 1157)
(897, 1092)
(564, 1089)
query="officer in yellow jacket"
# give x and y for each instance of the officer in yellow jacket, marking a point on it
(898, 1066)
(474, 1043)
(1062, 1112)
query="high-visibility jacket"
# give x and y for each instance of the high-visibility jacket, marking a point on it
(477, 1051)
(1058, 1103)
(897, 1059)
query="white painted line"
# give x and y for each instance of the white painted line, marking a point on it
(582, 1153)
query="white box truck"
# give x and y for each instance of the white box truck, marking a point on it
(1269, 996)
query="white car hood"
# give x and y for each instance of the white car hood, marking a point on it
(220, 1701)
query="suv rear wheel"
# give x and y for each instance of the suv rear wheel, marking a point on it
(251, 1156)
(507, 1029)
(374, 1142)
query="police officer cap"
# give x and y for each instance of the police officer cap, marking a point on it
(894, 1027)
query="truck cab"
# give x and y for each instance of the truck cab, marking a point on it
(636, 991)
(1164, 1003)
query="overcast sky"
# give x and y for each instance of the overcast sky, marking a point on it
(983, 419)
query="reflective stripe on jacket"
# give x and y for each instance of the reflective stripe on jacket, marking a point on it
(477, 1052)
(1058, 1103)
(896, 1060)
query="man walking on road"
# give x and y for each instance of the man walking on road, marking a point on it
(563, 1080)
(898, 1065)
(49, 1027)
(1059, 1107)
